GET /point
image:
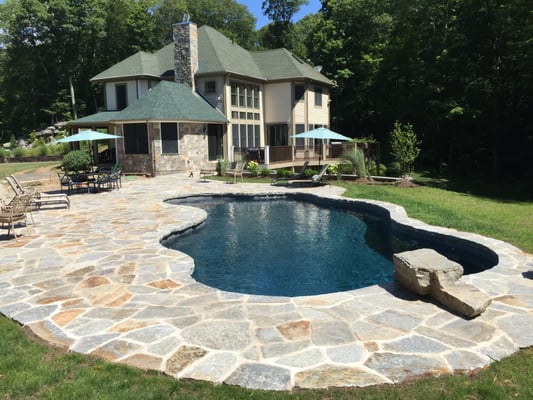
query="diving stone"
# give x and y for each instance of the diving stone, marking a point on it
(413, 269)
(426, 272)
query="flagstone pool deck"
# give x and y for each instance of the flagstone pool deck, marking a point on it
(96, 280)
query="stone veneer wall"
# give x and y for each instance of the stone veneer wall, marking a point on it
(185, 52)
(193, 147)
(133, 163)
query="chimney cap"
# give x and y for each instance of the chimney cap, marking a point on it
(186, 17)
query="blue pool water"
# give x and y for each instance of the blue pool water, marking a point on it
(282, 247)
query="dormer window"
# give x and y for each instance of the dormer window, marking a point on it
(122, 98)
(318, 96)
(210, 87)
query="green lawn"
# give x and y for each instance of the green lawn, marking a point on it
(29, 370)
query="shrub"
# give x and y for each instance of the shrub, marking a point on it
(404, 145)
(284, 172)
(253, 167)
(357, 160)
(309, 172)
(76, 161)
(222, 166)
(3, 152)
(19, 152)
(373, 170)
(394, 169)
(42, 150)
(264, 172)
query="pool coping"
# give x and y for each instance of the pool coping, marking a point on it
(96, 280)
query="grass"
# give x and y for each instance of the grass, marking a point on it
(30, 370)
(7, 169)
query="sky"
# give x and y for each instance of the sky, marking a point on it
(255, 8)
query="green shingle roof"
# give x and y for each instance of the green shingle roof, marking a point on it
(100, 118)
(170, 101)
(217, 54)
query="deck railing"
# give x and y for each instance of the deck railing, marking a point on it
(274, 156)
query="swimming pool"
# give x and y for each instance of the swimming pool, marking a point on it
(283, 246)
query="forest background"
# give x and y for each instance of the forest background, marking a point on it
(459, 71)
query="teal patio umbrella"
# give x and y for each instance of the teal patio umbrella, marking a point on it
(89, 136)
(322, 134)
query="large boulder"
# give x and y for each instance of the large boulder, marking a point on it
(413, 269)
(426, 272)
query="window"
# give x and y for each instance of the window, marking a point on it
(215, 142)
(210, 87)
(278, 135)
(246, 135)
(256, 97)
(318, 96)
(241, 96)
(169, 138)
(242, 115)
(135, 139)
(235, 114)
(233, 94)
(245, 96)
(249, 101)
(122, 98)
(300, 142)
(299, 92)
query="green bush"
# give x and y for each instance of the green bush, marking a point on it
(42, 150)
(309, 172)
(19, 152)
(346, 169)
(264, 172)
(404, 147)
(222, 166)
(76, 161)
(253, 167)
(4, 152)
(394, 169)
(284, 172)
(373, 170)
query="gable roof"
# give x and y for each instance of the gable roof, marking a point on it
(170, 101)
(217, 54)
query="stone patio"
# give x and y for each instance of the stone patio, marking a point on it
(96, 280)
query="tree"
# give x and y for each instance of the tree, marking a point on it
(279, 32)
(404, 146)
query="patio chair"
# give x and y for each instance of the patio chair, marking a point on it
(237, 171)
(39, 199)
(298, 175)
(314, 180)
(15, 211)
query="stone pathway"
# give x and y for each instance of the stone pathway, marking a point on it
(95, 279)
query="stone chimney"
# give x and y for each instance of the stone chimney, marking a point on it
(185, 51)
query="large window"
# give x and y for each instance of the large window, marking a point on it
(169, 138)
(246, 135)
(135, 139)
(244, 96)
(121, 95)
(278, 135)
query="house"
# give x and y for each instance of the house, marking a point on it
(204, 97)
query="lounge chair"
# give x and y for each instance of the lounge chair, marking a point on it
(314, 180)
(39, 199)
(15, 211)
(237, 171)
(298, 175)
